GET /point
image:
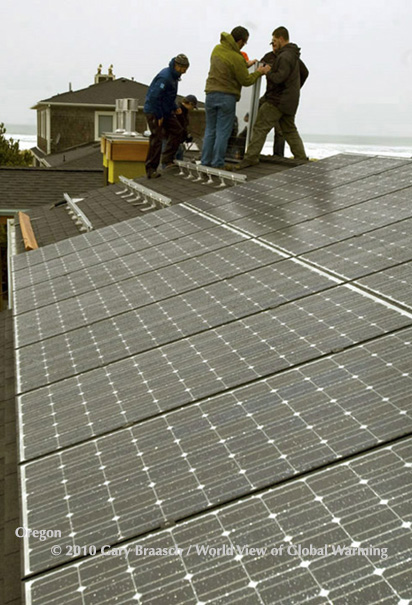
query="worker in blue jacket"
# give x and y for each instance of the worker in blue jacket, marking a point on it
(160, 109)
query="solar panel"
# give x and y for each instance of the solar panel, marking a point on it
(262, 213)
(344, 224)
(225, 447)
(168, 376)
(372, 252)
(142, 283)
(395, 283)
(167, 285)
(110, 233)
(151, 250)
(338, 170)
(173, 366)
(339, 535)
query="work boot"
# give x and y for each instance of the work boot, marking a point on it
(245, 163)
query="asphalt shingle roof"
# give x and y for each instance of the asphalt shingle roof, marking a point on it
(83, 157)
(105, 93)
(104, 207)
(28, 188)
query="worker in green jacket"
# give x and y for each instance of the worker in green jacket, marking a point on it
(228, 73)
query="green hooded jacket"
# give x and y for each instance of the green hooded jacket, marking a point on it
(228, 70)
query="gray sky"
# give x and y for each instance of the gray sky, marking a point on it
(359, 52)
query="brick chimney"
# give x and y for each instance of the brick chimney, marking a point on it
(99, 77)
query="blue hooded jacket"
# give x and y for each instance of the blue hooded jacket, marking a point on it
(161, 96)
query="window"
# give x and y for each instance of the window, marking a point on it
(43, 129)
(104, 122)
(43, 123)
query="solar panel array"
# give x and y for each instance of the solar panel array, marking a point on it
(212, 375)
(215, 562)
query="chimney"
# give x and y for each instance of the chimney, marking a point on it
(100, 77)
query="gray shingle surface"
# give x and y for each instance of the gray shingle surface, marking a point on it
(103, 207)
(105, 93)
(28, 188)
(83, 157)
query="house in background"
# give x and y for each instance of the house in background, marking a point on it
(78, 118)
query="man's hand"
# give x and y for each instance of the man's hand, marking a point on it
(160, 121)
(264, 69)
(178, 111)
(250, 63)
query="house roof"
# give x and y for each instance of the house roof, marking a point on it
(224, 374)
(103, 206)
(103, 93)
(87, 156)
(29, 188)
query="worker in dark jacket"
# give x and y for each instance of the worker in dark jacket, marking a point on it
(188, 104)
(280, 101)
(160, 109)
(279, 139)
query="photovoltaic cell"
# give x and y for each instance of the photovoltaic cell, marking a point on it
(74, 351)
(140, 301)
(150, 361)
(313, 197)
(169, 221)
(271, 211)
(106, 279)
(144, 254)
(394, 283)
(254, 437)
(342, 172)
(106, 234)
(367, 254)
(363, 505)
(191, 368)
(344, 224)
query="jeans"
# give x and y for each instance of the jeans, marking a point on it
(267, 116)
(220, 115)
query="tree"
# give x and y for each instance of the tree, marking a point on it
(10, 154)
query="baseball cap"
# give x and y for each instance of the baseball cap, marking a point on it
(191, 99)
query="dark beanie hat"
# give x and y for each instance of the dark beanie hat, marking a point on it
(182, 60)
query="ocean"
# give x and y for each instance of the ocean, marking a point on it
(317, 147)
